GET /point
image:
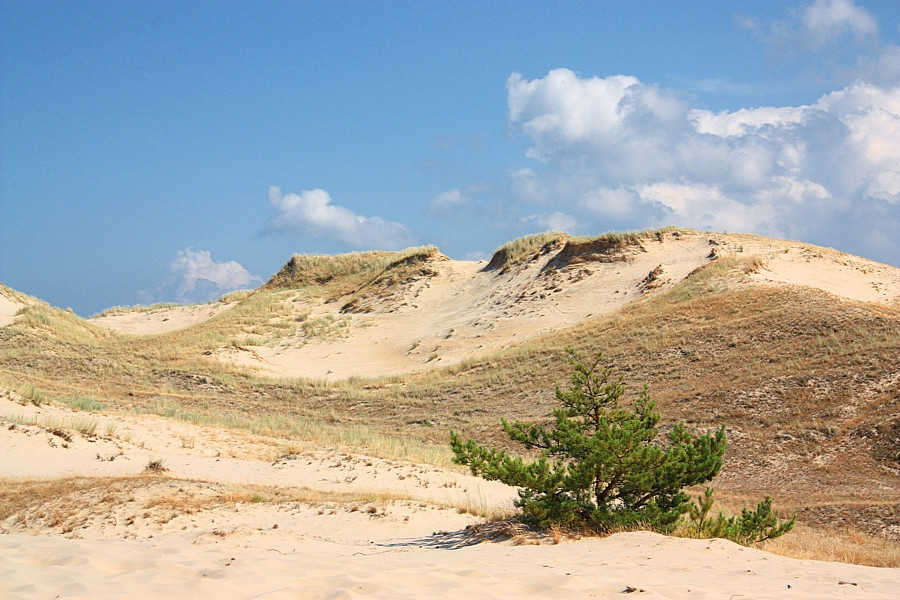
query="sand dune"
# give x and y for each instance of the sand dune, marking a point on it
(236, 515)
(150, 536)
(462, 309)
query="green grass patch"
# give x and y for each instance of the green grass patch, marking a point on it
(78, 401)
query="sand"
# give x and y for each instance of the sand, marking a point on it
(9, 306)
(243, 516)
(151, 536)
(845, 276)
(463, 310)
(430, 566)
(160, 320)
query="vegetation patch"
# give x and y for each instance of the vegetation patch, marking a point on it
(608, 247)
(602, 469)
(524, 249)
(336, 276)
(78, 401)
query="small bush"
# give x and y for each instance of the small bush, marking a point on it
(155, 465)
(752, 527)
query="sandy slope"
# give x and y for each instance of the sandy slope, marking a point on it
(151, 536)
(160, 320)
(9, 306)
(196, 531)
(463, 310)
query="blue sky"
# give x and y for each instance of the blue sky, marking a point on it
(174, 151)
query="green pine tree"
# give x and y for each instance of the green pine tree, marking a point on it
(600, 465)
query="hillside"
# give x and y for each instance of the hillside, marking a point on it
(376, 314)
(795, 347)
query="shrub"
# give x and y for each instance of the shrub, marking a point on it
(155, 465)
(600, 466)
(752, 527)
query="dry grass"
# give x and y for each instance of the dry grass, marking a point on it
(340, 275)
(87, 426)
(137, 308)
(806, 383)
(853, 547)
(318, 432)
(33, 505)
(524, 249)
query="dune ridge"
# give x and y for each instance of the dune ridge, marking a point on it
(229, 496)
(419, 309)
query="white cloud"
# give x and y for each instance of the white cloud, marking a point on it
(881, 67)
(554, 221)
(885, 185)
(826, 21)
(705, 206)
(616, 151)
(191, 267)
(311, 212)
(820, 26)
(833, 40)
(562, 112)
(446, 203)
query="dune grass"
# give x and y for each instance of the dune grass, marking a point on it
(136, 308)
(355, 436)
(341, 274)
(87, 426)
(849, 546)
(523, 249)
(531, 247)
(79, 401)
(797, 375)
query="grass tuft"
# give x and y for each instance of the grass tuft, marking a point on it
(78, 401)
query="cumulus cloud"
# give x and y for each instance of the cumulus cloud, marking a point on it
(459, 203)
(835, 40)
(191, 267)
(312, 213)
(616, 151)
